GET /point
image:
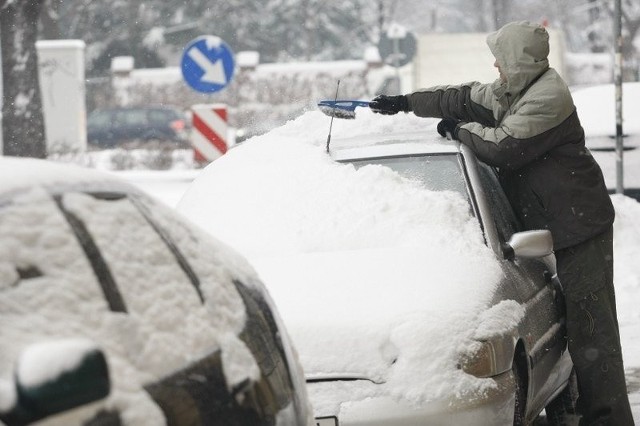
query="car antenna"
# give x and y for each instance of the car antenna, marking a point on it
(331, 123)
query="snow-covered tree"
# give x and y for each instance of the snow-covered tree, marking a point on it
(23, 131)
(155, 31)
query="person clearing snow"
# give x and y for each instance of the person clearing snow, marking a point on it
(526, 125)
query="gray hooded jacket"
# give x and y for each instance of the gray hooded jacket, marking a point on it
(528, 128)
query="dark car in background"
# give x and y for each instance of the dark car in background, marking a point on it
(138, 127)
(116, 311)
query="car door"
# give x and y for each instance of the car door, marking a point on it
(544, 324)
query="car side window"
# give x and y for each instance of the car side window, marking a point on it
(100, 119)
(38, 250)
(158, 117)
(141, 263)
(42, 264)
(505, 220)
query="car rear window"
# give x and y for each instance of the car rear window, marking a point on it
(133, 118)
(100, 119)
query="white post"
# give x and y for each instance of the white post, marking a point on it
(62, 83)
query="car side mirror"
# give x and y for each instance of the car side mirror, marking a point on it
(529, 245)
(57, 376)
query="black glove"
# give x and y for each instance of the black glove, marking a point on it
(389, 105)
(448, 125)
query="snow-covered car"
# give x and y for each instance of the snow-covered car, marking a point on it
(409, 289)
(597, 111)
(116, 310)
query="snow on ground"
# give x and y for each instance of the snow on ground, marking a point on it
(596, 108)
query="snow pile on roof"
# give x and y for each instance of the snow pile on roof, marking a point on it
(24, 172)
(287, 195)
(313, 128)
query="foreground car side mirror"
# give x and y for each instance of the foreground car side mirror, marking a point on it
(53, 377)
(529, 245)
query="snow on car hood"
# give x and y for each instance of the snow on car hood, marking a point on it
(373, 274)
(394, 316)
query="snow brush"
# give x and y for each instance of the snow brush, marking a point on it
(341, 108)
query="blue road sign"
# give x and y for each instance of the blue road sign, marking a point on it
(207, 64)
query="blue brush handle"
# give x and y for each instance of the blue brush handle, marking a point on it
(347, 105)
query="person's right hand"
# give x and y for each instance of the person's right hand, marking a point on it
(389, 105)
(450, 126)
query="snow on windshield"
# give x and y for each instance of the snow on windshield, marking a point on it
(281, 193)
(367, 268)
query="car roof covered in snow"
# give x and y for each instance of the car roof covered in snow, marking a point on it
(19, 172)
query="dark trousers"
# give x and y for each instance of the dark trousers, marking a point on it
(586, 273)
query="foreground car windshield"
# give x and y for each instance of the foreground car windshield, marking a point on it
(437, 172)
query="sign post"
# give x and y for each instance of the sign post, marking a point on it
(209, 134)
(397, 47)
(208, 66)
(617, 76)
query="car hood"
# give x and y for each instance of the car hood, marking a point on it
(380, 313)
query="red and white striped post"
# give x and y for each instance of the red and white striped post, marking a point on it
(209, 133)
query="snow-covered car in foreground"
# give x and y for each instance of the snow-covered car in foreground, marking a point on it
(597, 111)
(115, 310)
(399, 269)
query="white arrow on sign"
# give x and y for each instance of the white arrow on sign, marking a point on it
(213, 71)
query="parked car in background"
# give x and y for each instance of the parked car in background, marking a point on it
(597, 111)
(138, 127)
(411, 291)
(114, 310)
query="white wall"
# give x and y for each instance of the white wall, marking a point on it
(62, 85)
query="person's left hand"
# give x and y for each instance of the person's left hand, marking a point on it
(389, 105)
(450, 126)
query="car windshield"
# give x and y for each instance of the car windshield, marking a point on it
(437, 172)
